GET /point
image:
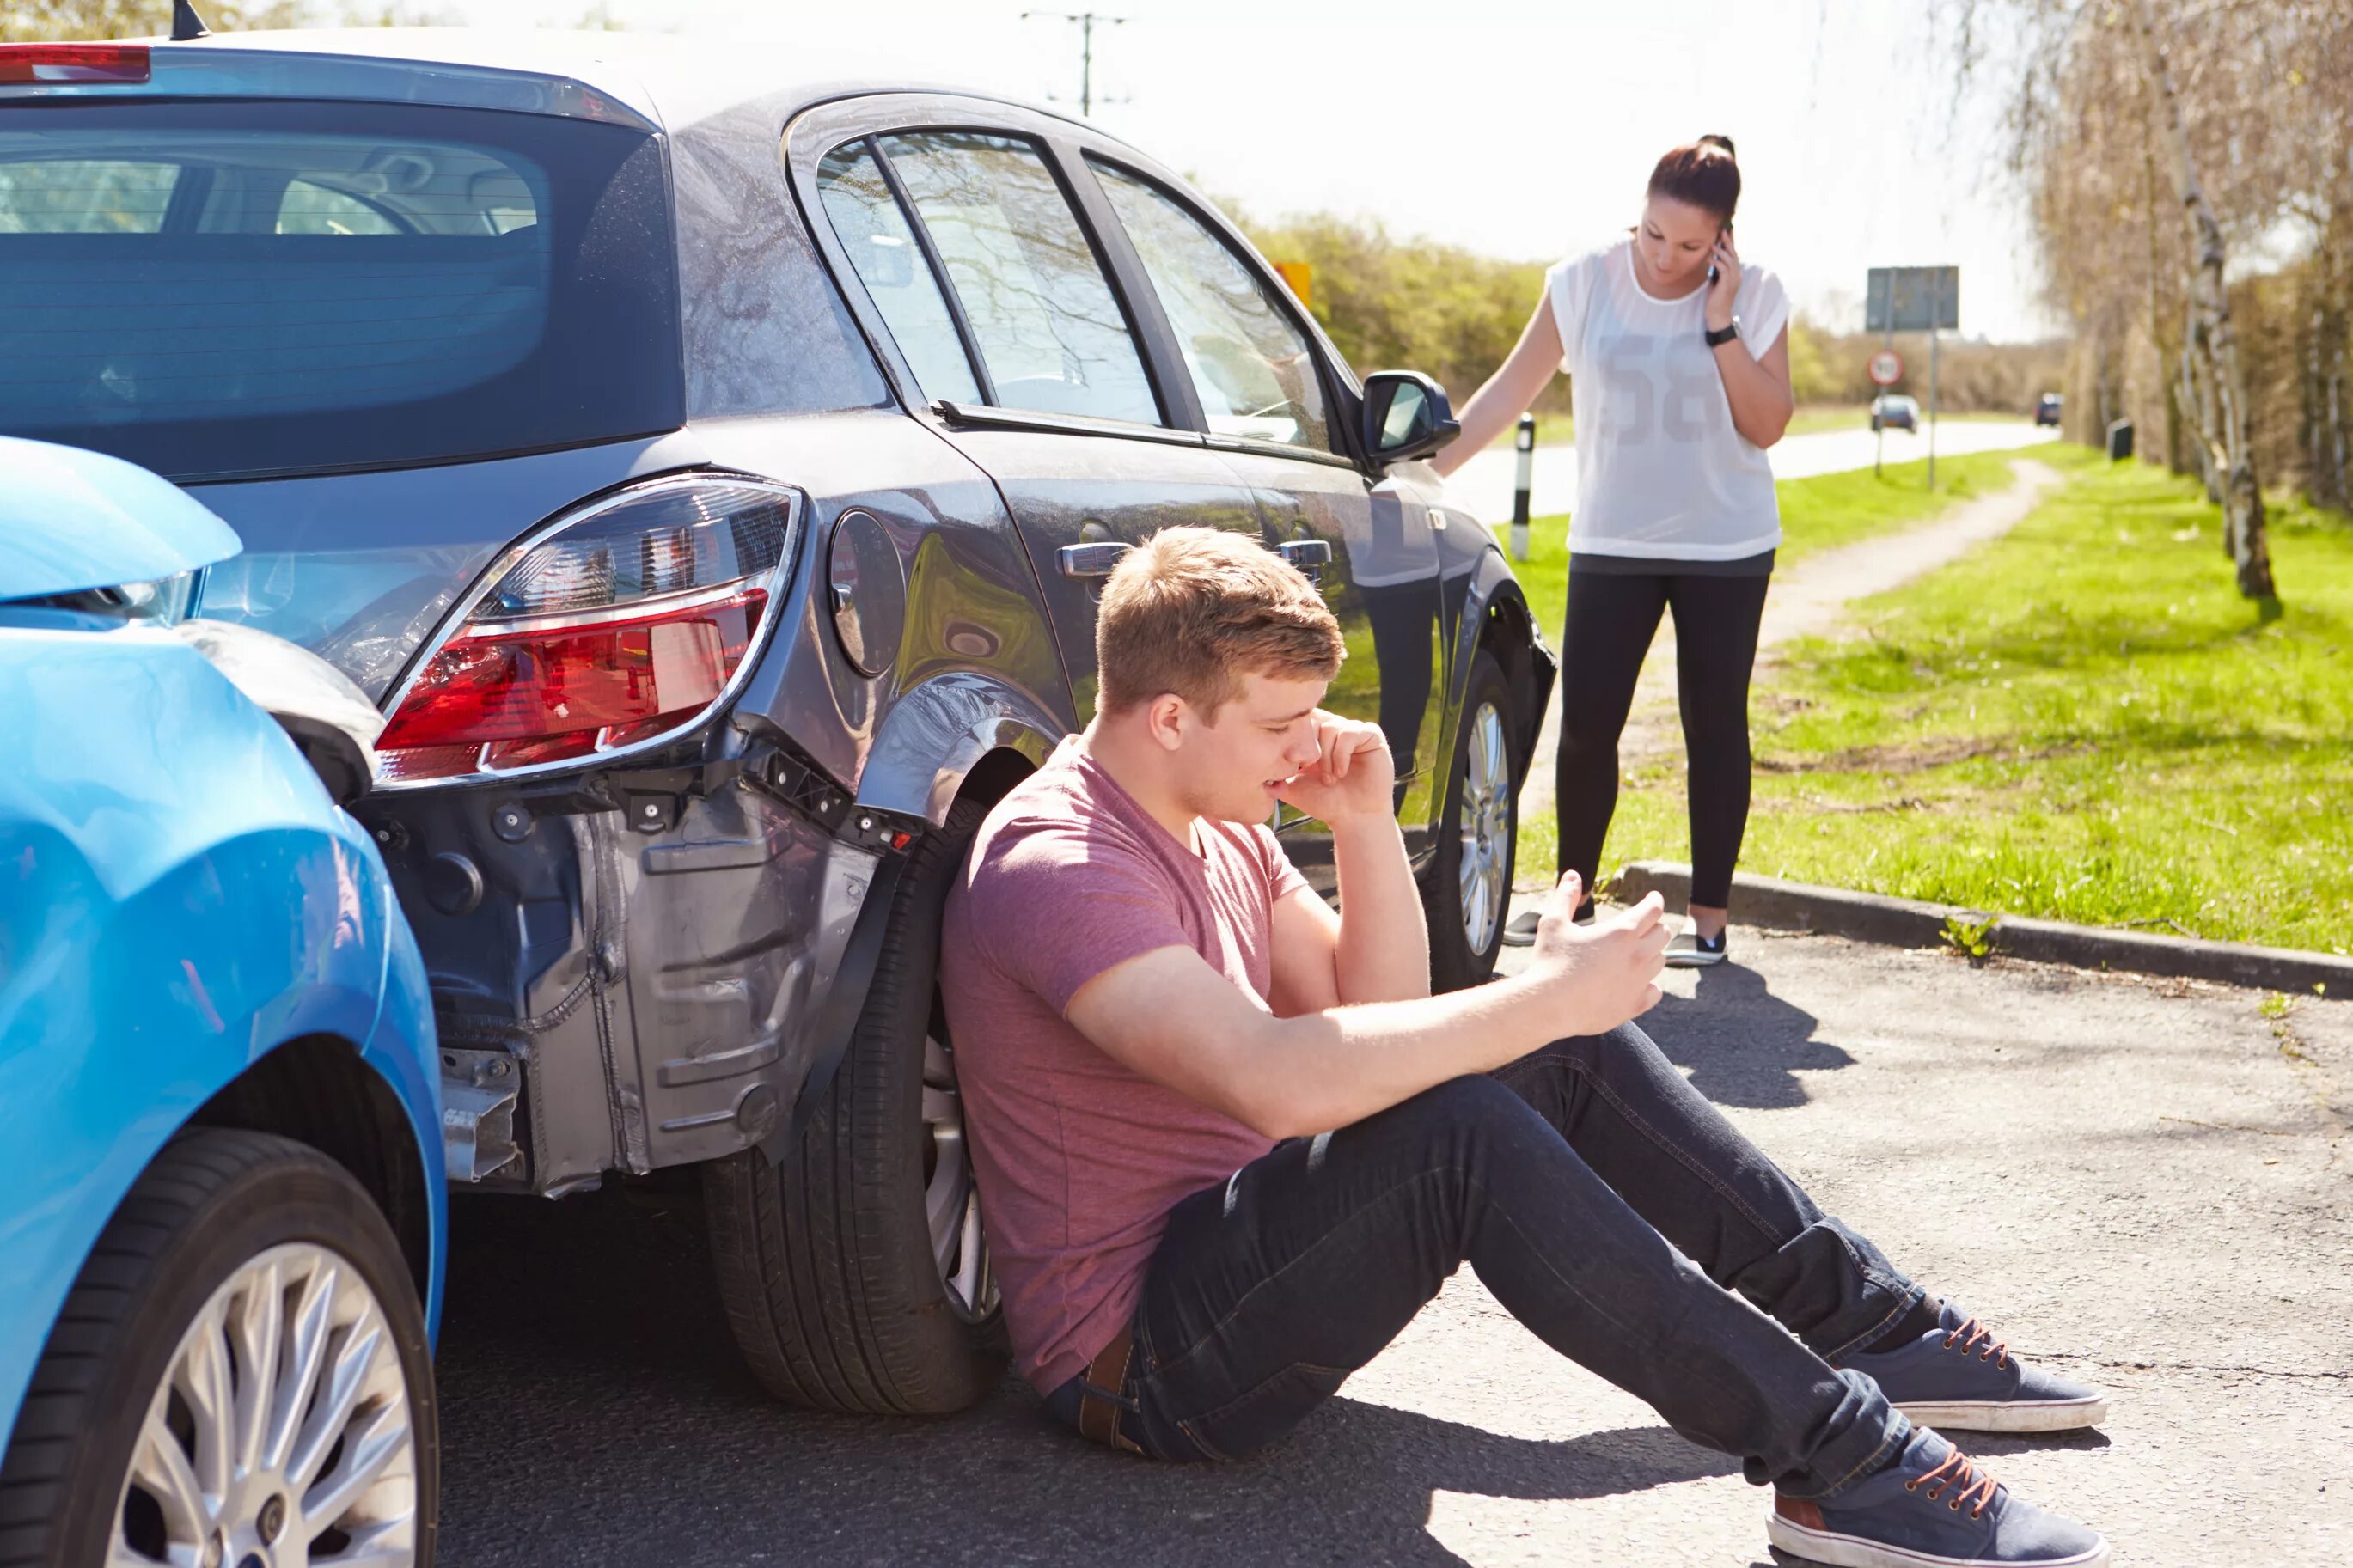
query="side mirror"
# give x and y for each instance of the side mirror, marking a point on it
(1405, 416)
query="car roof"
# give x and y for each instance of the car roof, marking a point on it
(664, 80)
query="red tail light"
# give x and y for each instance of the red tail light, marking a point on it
(613, 630)
(23, 65)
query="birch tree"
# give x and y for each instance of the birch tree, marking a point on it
(2212, 342)
(2166, 140)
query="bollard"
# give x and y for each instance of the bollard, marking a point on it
(1525, 444)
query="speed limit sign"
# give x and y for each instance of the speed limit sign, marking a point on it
(1886, 368)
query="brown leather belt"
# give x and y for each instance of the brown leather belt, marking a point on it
(1103, 1393)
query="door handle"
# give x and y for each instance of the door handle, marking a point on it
(1088, 560)
(1307, 554)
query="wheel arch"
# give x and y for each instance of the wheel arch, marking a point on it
(952, 733)
(319, 1090)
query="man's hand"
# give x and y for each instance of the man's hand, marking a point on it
(1352, 776)
(1604, 974)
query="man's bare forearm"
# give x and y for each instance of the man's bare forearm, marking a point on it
(1328, 1069)
(1384, 948)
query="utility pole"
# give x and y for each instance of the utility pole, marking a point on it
(1086, 21)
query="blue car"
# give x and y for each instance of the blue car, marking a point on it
(221, 1204)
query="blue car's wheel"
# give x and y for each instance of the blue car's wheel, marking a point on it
(241, 1374)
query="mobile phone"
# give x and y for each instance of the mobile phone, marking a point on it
(1723, 233)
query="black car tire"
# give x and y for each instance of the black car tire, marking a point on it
(214, 1199)
(825, 1265)
(1454, 964)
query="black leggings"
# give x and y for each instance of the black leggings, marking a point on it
(1611, 620)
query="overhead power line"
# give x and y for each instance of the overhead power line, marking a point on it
(1086, 21)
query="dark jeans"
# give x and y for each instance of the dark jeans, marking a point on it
(1602, 1200)
(1612, 616)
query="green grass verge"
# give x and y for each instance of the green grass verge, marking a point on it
(1818, 513)
(2082, 722)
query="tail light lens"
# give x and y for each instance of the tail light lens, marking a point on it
(614, 629)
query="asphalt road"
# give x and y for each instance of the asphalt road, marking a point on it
(2143, 1183)
(1484, 485)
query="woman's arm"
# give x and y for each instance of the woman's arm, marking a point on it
(1506, 394)
(1757, 389)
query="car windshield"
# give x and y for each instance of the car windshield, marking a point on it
(229, 290)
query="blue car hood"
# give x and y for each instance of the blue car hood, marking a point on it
(71, 520)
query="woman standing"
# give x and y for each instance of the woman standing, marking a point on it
(1679, 361)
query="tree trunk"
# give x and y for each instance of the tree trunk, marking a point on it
(2156, 334)
(2223, 410)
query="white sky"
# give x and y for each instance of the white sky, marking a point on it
(1516, 128)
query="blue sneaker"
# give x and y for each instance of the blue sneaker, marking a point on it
(1958, 1377)
(1930, 1509)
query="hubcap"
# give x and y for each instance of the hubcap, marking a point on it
(1484, 824)
(279, 1435)
(951, 1200)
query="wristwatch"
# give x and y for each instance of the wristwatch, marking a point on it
(1716, 340)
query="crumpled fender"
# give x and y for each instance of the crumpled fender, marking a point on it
(178, 897)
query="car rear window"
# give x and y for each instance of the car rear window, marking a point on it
(232, 289)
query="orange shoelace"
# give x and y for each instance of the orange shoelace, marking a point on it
(1974, 1484)
(1970, 1335)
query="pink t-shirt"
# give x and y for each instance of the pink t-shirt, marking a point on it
(1079, 1158)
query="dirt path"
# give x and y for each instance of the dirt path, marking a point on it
(1807, 600)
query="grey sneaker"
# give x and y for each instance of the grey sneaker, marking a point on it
(1930, 1509)
(1957, 1375)
(1689, 950)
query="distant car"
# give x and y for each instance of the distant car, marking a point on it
(2048, 407)
(221, 1190)
(1894, 410)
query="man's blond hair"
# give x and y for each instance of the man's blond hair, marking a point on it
(1194, 610)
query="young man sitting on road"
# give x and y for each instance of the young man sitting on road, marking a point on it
(1229, 1144)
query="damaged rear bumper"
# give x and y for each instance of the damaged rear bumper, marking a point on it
(627, 974)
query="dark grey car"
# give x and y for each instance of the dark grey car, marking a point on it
(712, 476)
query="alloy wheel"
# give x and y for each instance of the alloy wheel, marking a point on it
(1484, 824)
(279, 1435)
(951, 1198)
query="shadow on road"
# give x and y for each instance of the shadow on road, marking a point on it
(1744, 1045)
(594, 1411)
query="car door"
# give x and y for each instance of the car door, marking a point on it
(987, 291)
(1276, 408)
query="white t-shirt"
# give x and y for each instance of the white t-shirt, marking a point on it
(1661, 472)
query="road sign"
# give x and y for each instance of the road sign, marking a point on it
(1300, 277)
(1912, 299)
(1886, 368)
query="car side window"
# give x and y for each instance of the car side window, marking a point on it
(883, 250)
(1042, 313)
(1255, 371)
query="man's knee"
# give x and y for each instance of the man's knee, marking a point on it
(1585, 1053)
(1468, 1129)
(1472, 1101)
